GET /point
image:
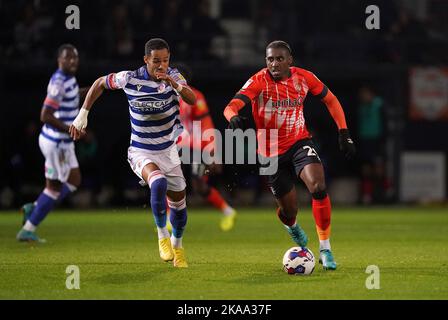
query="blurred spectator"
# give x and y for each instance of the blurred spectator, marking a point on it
(120, 32)
(406, 38)
(204, 29)
(147, 25)
(372, 136)
(28, 33)
(173, 27)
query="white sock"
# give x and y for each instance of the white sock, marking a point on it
(324, 244)
(228, 210)
(163, 232)
(29, 226)
(291, 227)
(176, 242)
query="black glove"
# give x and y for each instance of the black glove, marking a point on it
(346, 144)
(238, 122)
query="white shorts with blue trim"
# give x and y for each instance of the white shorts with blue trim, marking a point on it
(167, 160)
(60, 158)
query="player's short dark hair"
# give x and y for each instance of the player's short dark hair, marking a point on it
(65, 46)
(279, 44)
(156, 44)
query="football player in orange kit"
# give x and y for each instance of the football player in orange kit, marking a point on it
(199, 114)
(276, 94)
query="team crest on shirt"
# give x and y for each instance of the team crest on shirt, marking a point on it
(139, 86)
(297, 85)
(161, 87)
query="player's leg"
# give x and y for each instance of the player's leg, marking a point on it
(43, 205)
(72, 184)
(314, 179)
(282, 187)
(178, 218)
(287, 213)
(212, 195)
(157, 183)
(36, 212)
(58, 161)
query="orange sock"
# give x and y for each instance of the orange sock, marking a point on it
(216, 199)
(322, 217)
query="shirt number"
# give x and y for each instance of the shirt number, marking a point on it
(311, 152)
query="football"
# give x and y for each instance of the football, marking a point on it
(298, 261)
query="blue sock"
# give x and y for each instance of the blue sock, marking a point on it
(178, 218)
(158, 201)
(44, 204)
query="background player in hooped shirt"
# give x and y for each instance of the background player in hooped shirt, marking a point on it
(277, 94)
(61, 166)
(153, 93)
(199, 113)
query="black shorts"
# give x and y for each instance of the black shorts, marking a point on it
(290, 164)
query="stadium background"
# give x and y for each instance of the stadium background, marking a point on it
(223, 41)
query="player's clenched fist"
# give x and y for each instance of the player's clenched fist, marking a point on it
(346, 144)
(77, 128)
(238, 122)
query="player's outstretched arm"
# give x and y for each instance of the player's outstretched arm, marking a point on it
(77, 129)
(247, 93)
(345, 141)
(231, 114)
(186, 93)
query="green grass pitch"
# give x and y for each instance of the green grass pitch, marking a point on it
(116, 252)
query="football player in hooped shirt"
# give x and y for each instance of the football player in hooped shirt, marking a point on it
(276, 94)
(62, 173)
(153, 93)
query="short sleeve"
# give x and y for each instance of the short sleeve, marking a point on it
(251, 89)
(55, 93)
(177, 76)
(118, 80)
(315, 86)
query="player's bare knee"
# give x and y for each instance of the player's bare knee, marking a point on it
(176, 195)
(54, 185)
(316, 186)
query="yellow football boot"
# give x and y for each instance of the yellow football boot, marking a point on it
(179, 258)
(227, 222)
(165, 249)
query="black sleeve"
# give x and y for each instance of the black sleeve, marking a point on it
(242, 97)
(323, 92)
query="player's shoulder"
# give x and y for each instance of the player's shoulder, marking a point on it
(300, 71)
(138, 73)
(307, 74)
(261, 74)
(172, 70)
(58, 77)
